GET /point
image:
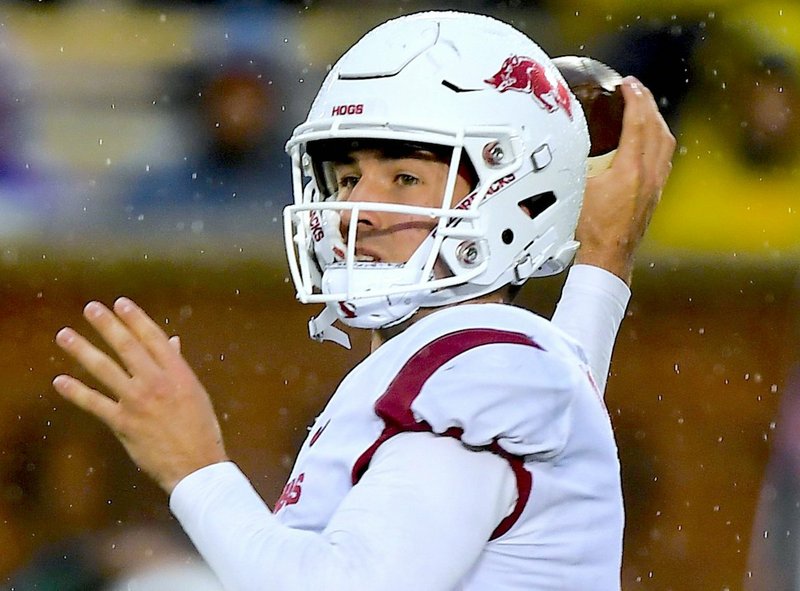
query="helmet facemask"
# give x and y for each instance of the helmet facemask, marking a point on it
(366, 293)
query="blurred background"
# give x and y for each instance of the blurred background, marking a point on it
(141, 153)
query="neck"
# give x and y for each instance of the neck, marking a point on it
(382, 335)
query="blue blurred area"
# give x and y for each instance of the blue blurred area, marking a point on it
(147, 124)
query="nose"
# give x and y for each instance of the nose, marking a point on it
(366, 190)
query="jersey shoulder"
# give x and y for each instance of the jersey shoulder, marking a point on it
(493, 375)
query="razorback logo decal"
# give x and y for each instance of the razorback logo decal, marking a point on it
(524, 74)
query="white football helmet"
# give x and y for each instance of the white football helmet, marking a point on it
(487, 93)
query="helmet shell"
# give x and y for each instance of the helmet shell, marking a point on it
(484, 88)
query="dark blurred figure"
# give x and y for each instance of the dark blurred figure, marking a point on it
(144, 558)
(238, 116)
(751, 93)
(238, 125)
(661, 53)
(732, 97)
(770, 105)
(28, 190)
(774, 562)
(751, 88)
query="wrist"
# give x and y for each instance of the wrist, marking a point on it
(169, 481)
(619, 264)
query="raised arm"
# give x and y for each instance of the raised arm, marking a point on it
(617, 208)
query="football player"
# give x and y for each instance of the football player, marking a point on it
(471, 449)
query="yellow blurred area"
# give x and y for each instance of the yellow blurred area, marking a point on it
(328, 30)
(775, 23)
(109, 33)
(715, 204)
(584, 19)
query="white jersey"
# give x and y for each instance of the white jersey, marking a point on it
(472, 451)
(495, 377)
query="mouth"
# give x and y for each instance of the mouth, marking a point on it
(361, 255)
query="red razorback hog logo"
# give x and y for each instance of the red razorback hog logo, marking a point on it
(524, 74)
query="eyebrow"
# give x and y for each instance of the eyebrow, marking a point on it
(380, 154)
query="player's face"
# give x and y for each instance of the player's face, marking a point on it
(418, 179)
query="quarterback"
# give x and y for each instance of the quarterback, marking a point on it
(471, 449)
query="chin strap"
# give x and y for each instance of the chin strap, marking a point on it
(320, 328)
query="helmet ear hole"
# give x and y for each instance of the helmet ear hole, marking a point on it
(533, 206)
(507, 236)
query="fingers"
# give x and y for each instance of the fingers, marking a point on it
(137, 340)
(667, 150)
(658, 145)
(120, 335)
(87, 399)
(633, 122)
(147, 332)
(646, 144)
(97, 363)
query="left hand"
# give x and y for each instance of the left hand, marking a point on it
(155, 405)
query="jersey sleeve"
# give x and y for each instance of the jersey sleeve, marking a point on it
(490, 389)
(419, 518)
(591, 309)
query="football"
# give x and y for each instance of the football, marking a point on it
(596, 86)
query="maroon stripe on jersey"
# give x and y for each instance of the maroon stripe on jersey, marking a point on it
(394, 406)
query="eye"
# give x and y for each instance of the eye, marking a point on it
(347, 182)
(407, 179)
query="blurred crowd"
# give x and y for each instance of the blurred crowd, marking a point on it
(146, 122)
(163, 124)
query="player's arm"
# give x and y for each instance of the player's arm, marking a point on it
(617, 208)
(591, 310)
(418, 519)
